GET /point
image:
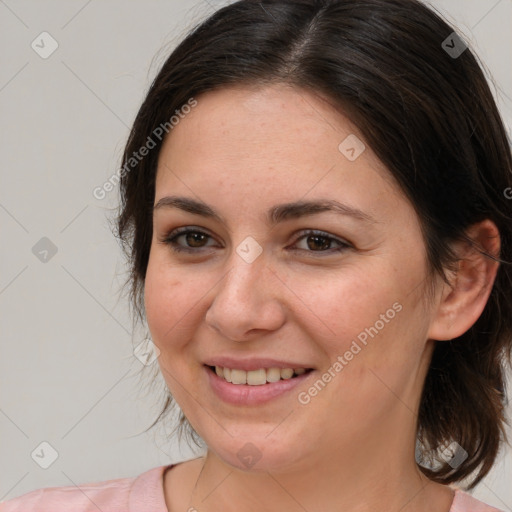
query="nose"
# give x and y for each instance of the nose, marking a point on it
(247, 301)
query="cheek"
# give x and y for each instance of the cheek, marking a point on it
(166, 301)
(341, 305)
(371, 320)
(175, 303)
(381, 342)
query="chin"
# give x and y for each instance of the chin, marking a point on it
(257, 454)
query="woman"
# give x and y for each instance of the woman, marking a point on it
(320, 238)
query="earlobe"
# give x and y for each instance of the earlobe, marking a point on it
(461, 303)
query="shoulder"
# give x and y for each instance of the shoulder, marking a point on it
(464, 502)
(117, 495)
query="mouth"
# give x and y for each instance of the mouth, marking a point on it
(259, 377)
(256, 387)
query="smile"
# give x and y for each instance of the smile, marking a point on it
(254, 387)
(257, 377)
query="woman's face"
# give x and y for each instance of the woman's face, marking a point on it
(346, 303)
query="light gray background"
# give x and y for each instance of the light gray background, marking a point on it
(67, 369)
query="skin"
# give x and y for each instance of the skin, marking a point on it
(351, 448)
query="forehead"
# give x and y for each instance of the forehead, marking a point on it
(279, 116)
(276, 142)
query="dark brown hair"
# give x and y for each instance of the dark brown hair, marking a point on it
(429, 116)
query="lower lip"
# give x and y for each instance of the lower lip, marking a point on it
(245, 394)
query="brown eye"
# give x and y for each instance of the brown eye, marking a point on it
(318, 241)
(193, 238)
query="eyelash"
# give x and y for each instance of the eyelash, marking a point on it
(170, 240)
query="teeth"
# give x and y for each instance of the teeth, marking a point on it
(273, 374)
(257, 377)
(238, 377)
(286, 373)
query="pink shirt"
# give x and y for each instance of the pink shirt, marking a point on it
(144, 493)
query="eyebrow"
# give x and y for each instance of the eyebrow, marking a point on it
(276, 214)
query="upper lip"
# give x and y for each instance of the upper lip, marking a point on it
(253, 363)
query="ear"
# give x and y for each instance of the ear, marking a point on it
(460, 304)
